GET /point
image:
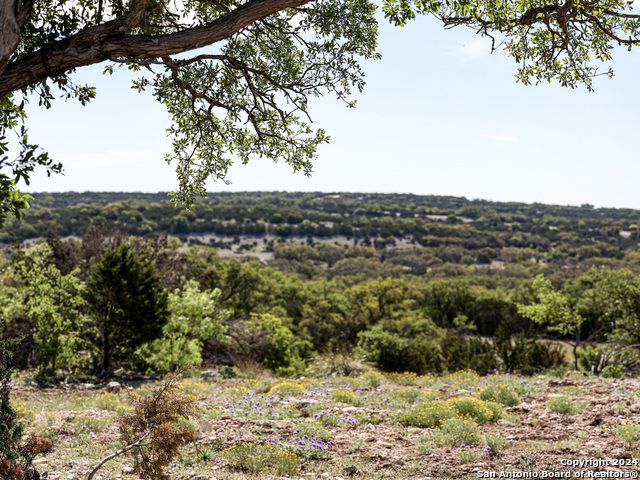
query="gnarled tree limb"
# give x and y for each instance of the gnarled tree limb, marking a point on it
(110, 39)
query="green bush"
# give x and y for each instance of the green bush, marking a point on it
(256, 458)
(127, 305)
(589, 358)
(417, 351)
(53, 305)
(613, 371)
(473, 409)
(501, 394)
(629, 433)
(371, 379)
(473, 353)
(345, 396)
(461, 432)
(526, 354)
(562, 404)
(285, 354)
(429, 414)
(496, 410)
(495, 442)
(194, 316)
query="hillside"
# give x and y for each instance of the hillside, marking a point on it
(411, 283)
(445, 229)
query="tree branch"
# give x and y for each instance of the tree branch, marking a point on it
(13, 14)
(118, 453)
(108, 40)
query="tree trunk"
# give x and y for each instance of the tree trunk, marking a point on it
(105, 352)
(12, 16)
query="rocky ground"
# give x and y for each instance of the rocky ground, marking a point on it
(364, 425)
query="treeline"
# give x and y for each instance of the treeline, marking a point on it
(428, 284)
(450, 229)
(112, 301)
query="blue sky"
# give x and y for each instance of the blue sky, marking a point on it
(439, 115)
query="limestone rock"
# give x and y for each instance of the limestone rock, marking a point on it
(113, 387)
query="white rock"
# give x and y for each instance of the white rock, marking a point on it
(113, 387)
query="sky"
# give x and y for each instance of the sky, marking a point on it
(440, 115)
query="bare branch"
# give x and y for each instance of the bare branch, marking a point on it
(137, 444)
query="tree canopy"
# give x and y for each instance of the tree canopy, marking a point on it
(247, 93)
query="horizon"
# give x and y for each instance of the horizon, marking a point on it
(212, 193)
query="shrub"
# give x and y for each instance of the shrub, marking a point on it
(345, 396)
(157, 422)
(501, 394)
(416, 350)
(433, 439)
(429, 414)
(461, 431)
(562, 404)
(255, 458)
(408, 396)
(339, 365)
(194, 317)
(526, 355)
(613, 371)
(496, 410)
(464, 378)
(285, 354)
(127, 304)
(467, 453)
(54, 307)
(16, 457)
(287, 388)
(472, 409)
(371, 379)
(629, 433)
(589, 358)
(472, 353)
(493, 443)
(406, 378)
